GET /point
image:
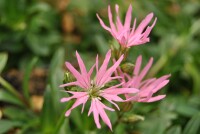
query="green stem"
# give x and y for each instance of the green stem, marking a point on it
(120, 115)
(61, 118)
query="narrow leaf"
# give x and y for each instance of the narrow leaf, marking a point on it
(193, 125)
(6, 125)
(3, 61)
(9, 98)
(27, 77)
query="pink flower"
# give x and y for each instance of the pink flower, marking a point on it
(125, 35)
(146, 87)
(95, 89)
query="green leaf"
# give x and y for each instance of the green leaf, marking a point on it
(3, 61)
(56, 77)
(101, 44)
(32, 123)
(174, 130)
(48, 121)
(7, 97)
(63, 122)
(65, 127)
(191, 69)
(186, 110)
(6, 125)
(27, 75)
(193, 125)
(16, 113)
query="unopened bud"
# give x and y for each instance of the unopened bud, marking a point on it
(127, 106)
(132, 118)
(68, 77)
(127, 68)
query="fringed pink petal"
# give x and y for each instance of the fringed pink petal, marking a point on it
(95, 111)
(110, 71)
(146, 69)
(137, 65)
(103, 114)
(161, 85)
(69, 84)
(118, 91)
(79, 101)
(157, 98)
(144, 23)
(75, 95)
(133, 28)
(119, 23)
(148, 30)
(103, 68)
(76, 74)
(128, 18)
(109, 98)
(112, 25)
(83, 69)
(102, 24)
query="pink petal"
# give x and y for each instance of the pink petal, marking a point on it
(144, 23)
(157, 98)
(110, 97)
(81, 64)
(90, 72)
(110, 71)
(69, 84)
(119, 23)
(83, 69)
(112, 25)
(137, 65)
(103, 114)
(103, 68)
(120, 90)
(95, 113)
(161, 85)
(102, 24)
(146, 69)
(75, 95)
(133, 29)
(128, 18)
(79, 101)
(148, 30)
(77, 75)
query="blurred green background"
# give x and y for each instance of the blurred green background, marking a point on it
(37, 36)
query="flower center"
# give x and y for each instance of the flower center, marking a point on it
(94, 92)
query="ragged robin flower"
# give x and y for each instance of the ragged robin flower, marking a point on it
(126, 35)
(94, 90)
(147, 87)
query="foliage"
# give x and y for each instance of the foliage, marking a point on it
(44, 33)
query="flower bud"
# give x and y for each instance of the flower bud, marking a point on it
(127, 106)
(132, 118)
(68, 77)
(127, 68)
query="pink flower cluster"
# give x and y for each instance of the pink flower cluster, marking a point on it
(134, 88)
(126, 35)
